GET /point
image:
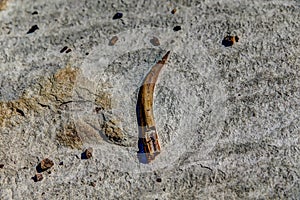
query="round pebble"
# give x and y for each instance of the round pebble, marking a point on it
(118, 15)
(177, 28)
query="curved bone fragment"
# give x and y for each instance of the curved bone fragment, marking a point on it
(148, 143)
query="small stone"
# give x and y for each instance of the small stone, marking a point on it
(98, 109)
(69, 50)
(177, 28)
(158, 180)
(174, 11)
(236, 38)
(113, 40)
(33, 29)
(38, 177)
(93, 184)
(63, 49)
(229, 40)
(46, 164)
(69, 135)
(61, 163)
(34, 13)
(89, 152)
(118, 15)
(1, 166)
(154, 41)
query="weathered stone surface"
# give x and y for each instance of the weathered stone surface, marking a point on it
(69, 136)
(103, 99)
(50, 93)
(58, 88)
(228, 118)
(3, 4)
(113, 131)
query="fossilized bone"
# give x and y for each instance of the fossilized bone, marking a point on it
(148, 143)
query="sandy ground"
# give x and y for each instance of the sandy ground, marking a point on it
(227, 117)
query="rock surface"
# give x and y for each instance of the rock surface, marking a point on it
(227, 117)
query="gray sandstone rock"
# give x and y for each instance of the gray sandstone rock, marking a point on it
(227, 117)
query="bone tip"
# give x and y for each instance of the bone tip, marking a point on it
(166, 56)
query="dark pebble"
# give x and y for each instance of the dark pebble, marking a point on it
(63, 49)
(93, 184)
(177, 28)
(158, 180)
(1, 166)
(35, 13)
(173, 11)
(118, 15)
(229, 40)
(98, 109)
(33, 29)
(38, 177)
(89, 152)
(69, 50)
(236, 38)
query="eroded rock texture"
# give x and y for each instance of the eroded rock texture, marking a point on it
(227, 117)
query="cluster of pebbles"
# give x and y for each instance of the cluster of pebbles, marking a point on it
(154, 41)
(46, 165)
